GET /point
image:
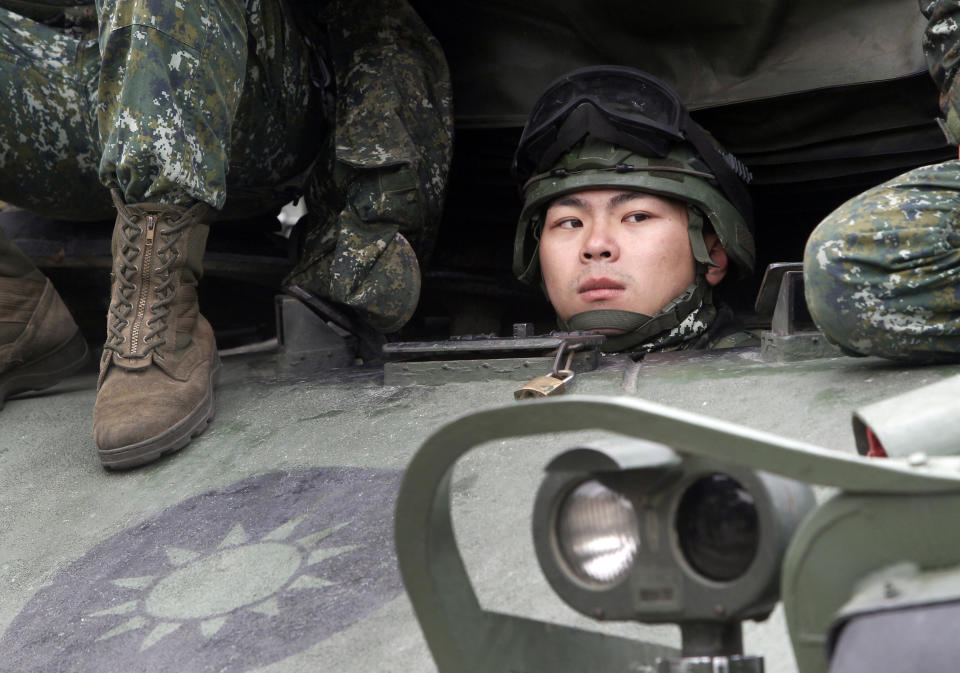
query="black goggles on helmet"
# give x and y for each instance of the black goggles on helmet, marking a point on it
(626, 107)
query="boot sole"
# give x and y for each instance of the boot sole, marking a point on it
(46, 371)
(174, 439)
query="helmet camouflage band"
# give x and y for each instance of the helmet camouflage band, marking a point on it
(597, 164)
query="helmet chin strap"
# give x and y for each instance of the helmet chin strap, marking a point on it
(640, 328)
(698, 244)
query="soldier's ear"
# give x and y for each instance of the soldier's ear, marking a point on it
(718, 256)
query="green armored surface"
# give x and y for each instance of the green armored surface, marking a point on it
(707, 481)
(268, 545)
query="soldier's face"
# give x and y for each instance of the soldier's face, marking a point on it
(611, 249)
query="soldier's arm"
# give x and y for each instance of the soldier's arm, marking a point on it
(941, 46)
(394, 121)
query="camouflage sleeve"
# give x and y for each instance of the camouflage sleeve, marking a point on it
(394, 125)
(374, 200)
(941, 46)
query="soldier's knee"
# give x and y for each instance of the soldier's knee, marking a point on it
(859, 303)
(828, 284)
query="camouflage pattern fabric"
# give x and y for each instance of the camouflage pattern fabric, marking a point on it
(48, 148)
(724, 330)
(706, 328)
(683, 336)
(882, 272)
(375, 197)
(170, 134)
(181, 102)
(170, 81)
(941, 46)
(227, 103)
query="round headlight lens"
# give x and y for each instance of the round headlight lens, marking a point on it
(718, 527)
(597, 533)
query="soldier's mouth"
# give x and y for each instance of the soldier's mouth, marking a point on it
(597, 289)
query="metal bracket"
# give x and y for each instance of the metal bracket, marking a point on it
(306, 341)
(769, 291)
(792, 335)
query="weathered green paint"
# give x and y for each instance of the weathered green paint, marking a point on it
(509, 370)
(793, 347)
(847, 539)
(461, 635)
(901, 585)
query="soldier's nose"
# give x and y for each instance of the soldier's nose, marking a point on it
(600, 244)
(605, 254)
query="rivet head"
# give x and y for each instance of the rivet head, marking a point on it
(917, 459)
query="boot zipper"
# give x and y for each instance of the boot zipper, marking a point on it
(145, 277)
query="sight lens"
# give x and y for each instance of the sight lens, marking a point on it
(718, 528)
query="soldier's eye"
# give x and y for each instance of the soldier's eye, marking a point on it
(568, 223)
(636, 217)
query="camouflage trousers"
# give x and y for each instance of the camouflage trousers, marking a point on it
(147, 99)
(882, 272)
(240, 105)
(390, 154)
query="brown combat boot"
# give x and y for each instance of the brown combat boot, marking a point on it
(160, 362)
(40, 344)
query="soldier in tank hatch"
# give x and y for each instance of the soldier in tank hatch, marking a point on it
(632, 213)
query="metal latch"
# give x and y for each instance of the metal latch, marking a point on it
(554, 383)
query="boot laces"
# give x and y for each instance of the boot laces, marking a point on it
(166, 289)
(121, 307)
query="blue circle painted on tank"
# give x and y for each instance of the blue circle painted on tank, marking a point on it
(230, 580)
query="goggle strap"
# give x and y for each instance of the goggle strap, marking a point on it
(724, 173)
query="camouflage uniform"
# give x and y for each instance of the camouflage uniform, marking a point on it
(882, 272)
(232, 104)
(389, 156)
(709, 327)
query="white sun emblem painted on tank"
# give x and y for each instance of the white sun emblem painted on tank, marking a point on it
(203, 589)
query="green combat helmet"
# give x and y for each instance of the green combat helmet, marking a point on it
(619, 128)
